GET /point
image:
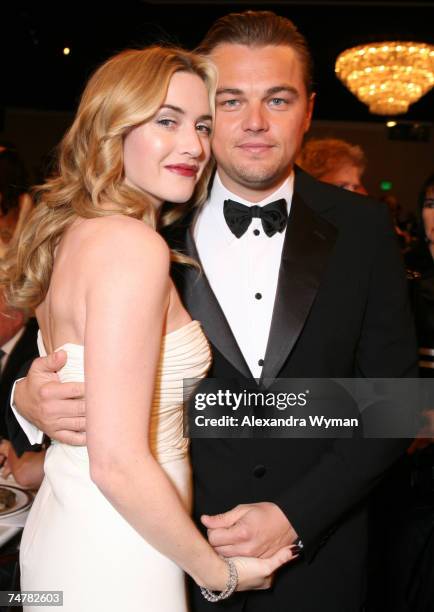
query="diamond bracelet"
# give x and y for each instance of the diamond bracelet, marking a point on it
(231, 584)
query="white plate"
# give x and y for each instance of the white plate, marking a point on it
(22, 501)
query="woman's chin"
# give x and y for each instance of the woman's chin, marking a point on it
(179, 198)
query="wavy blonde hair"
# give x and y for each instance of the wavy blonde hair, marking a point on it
(123, 93)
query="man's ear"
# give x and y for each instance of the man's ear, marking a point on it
(309, 112)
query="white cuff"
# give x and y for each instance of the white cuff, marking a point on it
(34, 435)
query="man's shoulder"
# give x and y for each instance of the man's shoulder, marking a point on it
(338, 205)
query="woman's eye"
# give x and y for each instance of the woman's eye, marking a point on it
(166, 122)
(205, 129)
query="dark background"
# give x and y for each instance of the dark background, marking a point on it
(36, 74)
(40, 86)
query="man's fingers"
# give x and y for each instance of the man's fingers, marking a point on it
(72, 425)
(59, 414)
(71, 408)
(51, 363)
(232, 550)
(225, 519)
(73, 438)
(77, 424)
(224, 537)
(242, 549)
(56, 390)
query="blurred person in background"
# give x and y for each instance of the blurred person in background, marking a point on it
(15, 202)
(334, 161)
(399, 221)
(17, 344)
(27, 470)
(17, 330)
(405, 505)
(421, 256)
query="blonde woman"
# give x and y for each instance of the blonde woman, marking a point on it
(110, 526)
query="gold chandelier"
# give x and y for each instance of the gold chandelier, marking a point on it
(387, 76)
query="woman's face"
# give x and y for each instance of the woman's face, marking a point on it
(165, 156)
(428, 214)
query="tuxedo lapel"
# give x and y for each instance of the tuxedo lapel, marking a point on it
(202, 304)
(308, 244)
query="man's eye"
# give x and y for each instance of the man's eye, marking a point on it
(278, 101)
(230, 103)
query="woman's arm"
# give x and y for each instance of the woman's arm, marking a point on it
(126, 305)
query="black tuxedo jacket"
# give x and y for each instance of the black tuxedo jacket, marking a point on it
(24, 351)
(340, 311)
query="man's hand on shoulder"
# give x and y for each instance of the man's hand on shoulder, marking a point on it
(254, 530)
(55, 408)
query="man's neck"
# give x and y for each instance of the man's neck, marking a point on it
(247, 193)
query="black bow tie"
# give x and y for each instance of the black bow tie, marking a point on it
(238, 216)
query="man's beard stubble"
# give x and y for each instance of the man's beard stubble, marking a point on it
(258, 178)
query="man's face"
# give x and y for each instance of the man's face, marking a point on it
(262, 113)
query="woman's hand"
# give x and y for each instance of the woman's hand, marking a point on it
(257, 574)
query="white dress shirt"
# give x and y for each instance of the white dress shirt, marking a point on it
(34, 435)
(243, 272)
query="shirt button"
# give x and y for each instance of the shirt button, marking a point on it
(259, 471)
(261, 362)
(258, 296)
(256, 232)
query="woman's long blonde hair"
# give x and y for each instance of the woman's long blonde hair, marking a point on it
(124, 92)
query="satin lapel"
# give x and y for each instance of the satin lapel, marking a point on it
(202, 304)
(308, 244)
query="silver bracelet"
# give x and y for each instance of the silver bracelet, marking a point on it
(231, 584)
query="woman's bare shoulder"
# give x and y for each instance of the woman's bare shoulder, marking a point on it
(116, 251)
(119, 238)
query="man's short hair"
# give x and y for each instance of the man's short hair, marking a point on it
(259, 29)
(319, 156)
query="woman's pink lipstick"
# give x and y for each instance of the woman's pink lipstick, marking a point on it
(183, 169)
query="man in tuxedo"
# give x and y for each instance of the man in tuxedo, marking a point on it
(301, 279)
(17, 346)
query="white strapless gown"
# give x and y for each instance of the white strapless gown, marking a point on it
(75, 541)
